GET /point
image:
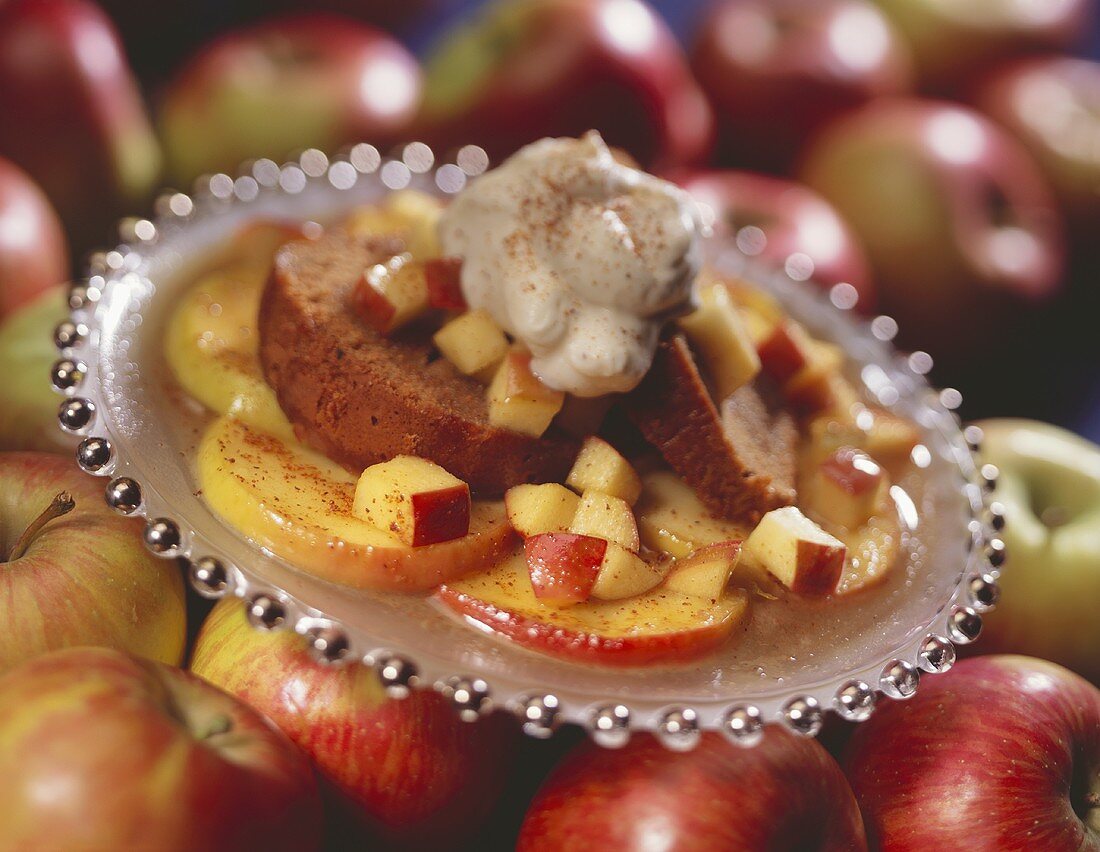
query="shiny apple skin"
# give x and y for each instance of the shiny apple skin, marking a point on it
(34, 255)
(777, 70)
(784, 794)
(101, 750)
(74, 118)
(87, 578)
(982, 758)
(309, 80)
(962, 230)
(536, 68)
(402, 770)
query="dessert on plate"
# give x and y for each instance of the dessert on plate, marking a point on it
(539, 406)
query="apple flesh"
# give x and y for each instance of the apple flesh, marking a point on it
(784, 794)
(518, 400)
(535, 509)
(600, 467)
(1004, 751)
(82, 133)
(606, 517)
(706, 572)
(100, 729)
(797, 552)
(474, 343)
(409, 771)
(563, 566)
(298, 504)
(657, 627)
(415, 499)
(777, 70)
(293, 82)
(390, 295)
(625, 574)
(673, 520)
(720, 338)
(522, 71)
(408, 214)
(848, 488)
(1049, 486)
(85, 578)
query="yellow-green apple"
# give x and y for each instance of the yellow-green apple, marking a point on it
(961, 227)
(74, 572)
(73, 116)
(410, 770)
(1001, 753)
(786, 224)
(28, 405)
(307, 80)
(533, 68)
(784, 794)
(1049, 487)
(415, 499)
(796, 551)
(518, 400)
(102, 750)
(33, 253)
(952, 40)
(1052, 105)
(777, 70)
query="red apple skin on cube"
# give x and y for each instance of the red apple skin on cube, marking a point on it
(372, 307)
(443, 277)
(783, 353)
(823, 567)
(563, 566)
(441, 515)
(853, 472)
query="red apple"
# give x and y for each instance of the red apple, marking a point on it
(82, 578)
(410, 770)
(535, 68)
(961, 228)
(101, 750)
(784, 224)
(784, 794)
(310, 80)
(952, 40)
(776, 70)
(73, 115)
(786, 352)
(563, 566)
(1052, 105)
(33, 254)
(443, 277)
(1001, 753)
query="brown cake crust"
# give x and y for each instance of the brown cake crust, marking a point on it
(740, 461)
(362, 398)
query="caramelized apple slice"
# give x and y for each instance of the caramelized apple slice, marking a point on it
(658, 627)
(873, 550)
(298, 504)
(211, 344)
(671, 518)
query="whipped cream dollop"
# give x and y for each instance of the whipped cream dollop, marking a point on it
(579, 257)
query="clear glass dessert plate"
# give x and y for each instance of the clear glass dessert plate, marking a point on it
(800, 659)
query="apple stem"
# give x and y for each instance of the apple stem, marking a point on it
(218, 725)
(61, 505)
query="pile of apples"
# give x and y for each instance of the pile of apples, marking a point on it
(939, 158)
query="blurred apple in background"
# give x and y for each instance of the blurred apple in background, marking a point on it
(961, 228)
(73, 115)
(532, 68)
(33, 254)
(1049, 485)
(408, 770)
(100, 750)
(784, 794)
(306, 81)
(776, 70)
(952, 40)
(786, 225)
(82, 578)
(1001, 753)
(1052, 105)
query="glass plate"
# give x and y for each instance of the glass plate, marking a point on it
(843, 657)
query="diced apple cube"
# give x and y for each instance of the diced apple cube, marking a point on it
(786, 351)
(518, 400)
(606, 517)
(600, 467)
(535, 509)
(415, 499)
(706, 572)
(848, 488)
(890, 440)
(624, 574)
(474, 343)
(391, 294)
(719, 336)
(443, 276)
(411, 215)
(797, 552)
(563, 566)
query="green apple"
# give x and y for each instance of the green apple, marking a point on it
(28, 406)
(1049, 485)
(407, 771)
(72, 572)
